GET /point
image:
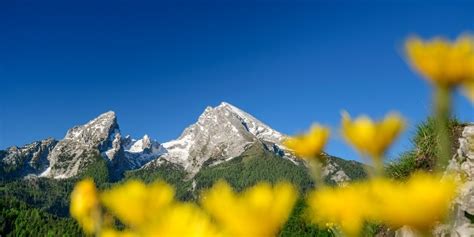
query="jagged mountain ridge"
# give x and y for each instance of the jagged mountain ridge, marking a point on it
(29, 159)
(80, 147)
(220, 134)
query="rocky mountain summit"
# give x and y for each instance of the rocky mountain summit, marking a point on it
(100, 138)
(220, 134)
(29, 159)
(100, 135)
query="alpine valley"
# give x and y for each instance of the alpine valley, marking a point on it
(225, 143)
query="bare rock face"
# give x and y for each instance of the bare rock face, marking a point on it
(73, 153)
(334, 172)
(100, 138)
(221, 133)
(463, 164)
(29, 159)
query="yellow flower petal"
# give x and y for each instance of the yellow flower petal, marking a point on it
(442, 62)
(108, 232)
(259, 211)
(369, 137)
(420, 203)
(85, 205)
(348, 207)
(309, 145)
(181, 220)
(135, 203)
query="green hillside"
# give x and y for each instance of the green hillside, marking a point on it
(47, 200)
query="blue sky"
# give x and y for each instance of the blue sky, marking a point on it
(159, 64)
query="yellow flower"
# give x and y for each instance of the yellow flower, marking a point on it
(181, 220)
(442, 62)
(150, 210)
(85, 205)
(348, 207)
(259, 211)
(135, 203)
(369, 137)
(109, 232)
(311, 144)
(420, 202)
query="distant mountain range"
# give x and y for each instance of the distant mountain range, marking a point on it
(221, 134)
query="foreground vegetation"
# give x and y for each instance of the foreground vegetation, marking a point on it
(423, 154)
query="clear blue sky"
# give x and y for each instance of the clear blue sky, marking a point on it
(158, 65)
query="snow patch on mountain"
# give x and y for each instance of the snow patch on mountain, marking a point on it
(142, 151)
(254, 126)
(28, 159)
(220, 134)
(100, 136)
(74, 152)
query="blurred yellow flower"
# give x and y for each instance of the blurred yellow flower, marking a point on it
(85, 205)
(259, 211)
(309, 145)
(442, 62)
(147, 210)
(135, 203)
(109, 232)
(369, 137)
(348, 207)
(419, 203)
(181, 220)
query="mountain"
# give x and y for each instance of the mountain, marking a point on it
(81, 143)
(221, 133)
(140, 152)
(225, 132)
(83, 146)
(29, 159)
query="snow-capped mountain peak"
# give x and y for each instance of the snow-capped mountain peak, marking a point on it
(221, 133)
(140, 152)
(140, 145)
(96, 126)
(254, 126)
(100, 137)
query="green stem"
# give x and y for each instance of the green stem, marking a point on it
(442, 115)
(377, 169)
(378, 165)
(316, 172)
